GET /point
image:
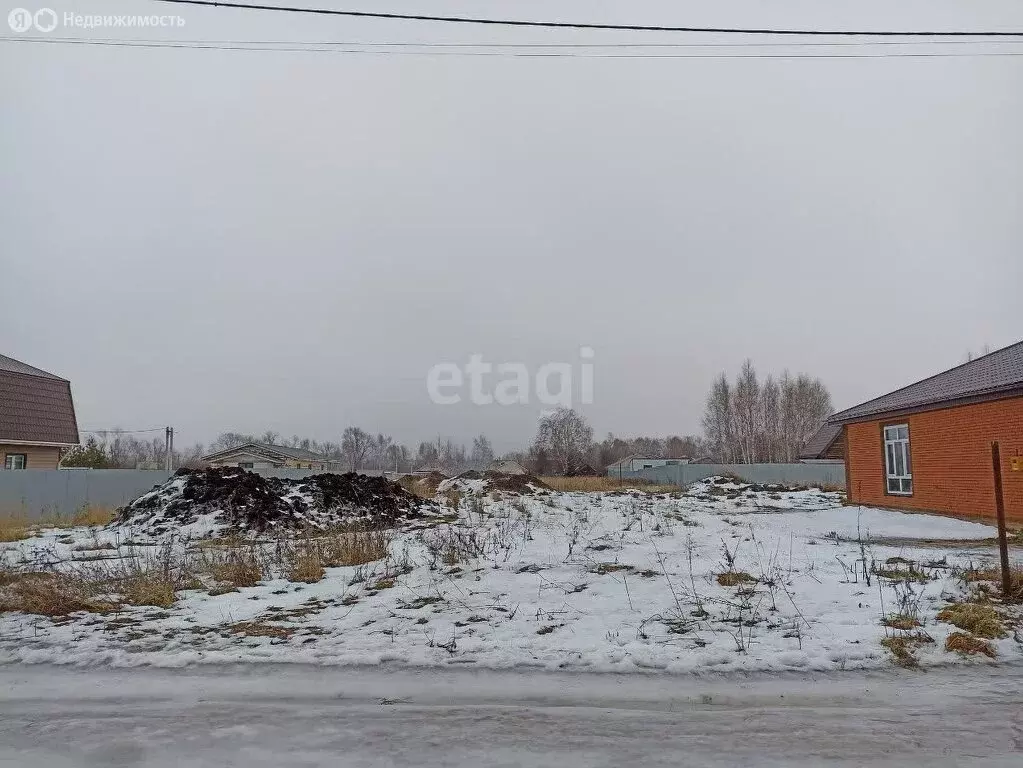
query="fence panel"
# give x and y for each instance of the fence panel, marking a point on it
(830, 475)
(38, 493)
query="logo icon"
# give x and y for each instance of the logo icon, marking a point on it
(45, 19)
(21, 20)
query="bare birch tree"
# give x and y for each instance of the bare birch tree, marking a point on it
(564, 438)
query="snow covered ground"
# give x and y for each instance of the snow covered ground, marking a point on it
(721, 578)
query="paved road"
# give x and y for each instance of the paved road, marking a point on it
(262, 716)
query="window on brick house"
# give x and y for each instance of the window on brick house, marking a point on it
(898, 469)
(15, 461)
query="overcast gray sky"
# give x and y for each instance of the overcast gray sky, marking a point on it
(250, 240)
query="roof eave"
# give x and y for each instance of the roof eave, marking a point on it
(39, 443)
(1003, 393)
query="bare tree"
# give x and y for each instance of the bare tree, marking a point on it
(745, 405)
(563, 438)
(770, 419)
(482, 453)
(718, 420)
(355, 444)
(750, 422)
(397, 456)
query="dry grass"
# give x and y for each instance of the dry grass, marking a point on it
(90, 516)
(995, 575)
(603, 569)
(903, 648)
(149, 591)
(50, 594)
(258, 628)
(900, 621)
(909, 573)
(14, 529)
(734, 578)
(307, 568)
(603, 484)
(236, 563)
(423, 487)
(968, 645)
(353, 547)
(978, 618)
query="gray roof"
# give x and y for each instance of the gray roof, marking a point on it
(822, 439)
(996, 374)
(299, 454)
(35, 406)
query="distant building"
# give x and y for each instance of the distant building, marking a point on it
(265, 456)
(37, 417)
(430, 469)
(635, 463)
(826, 446)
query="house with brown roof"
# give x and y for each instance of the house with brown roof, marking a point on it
(825, 446)
(267, 456)
(37, 416)
(927, 446)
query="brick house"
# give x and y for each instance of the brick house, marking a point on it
(37, 417)
(927, 446)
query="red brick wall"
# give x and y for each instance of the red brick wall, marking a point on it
(950, 450)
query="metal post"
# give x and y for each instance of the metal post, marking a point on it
(170, 453)
(1003, 544)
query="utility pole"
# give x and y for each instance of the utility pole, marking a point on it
(168, 444)
(1003, 544)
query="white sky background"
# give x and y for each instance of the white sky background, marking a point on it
(250, 240)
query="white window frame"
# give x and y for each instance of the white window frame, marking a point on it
(9, 461)
(898, 464)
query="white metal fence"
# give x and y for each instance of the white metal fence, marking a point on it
(36, 493)
(830, 475)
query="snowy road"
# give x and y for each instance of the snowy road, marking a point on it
(299, 716)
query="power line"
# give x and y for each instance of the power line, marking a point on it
(530, 46)
(304, 48)
(590, 25)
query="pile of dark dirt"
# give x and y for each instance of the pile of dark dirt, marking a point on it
(226, 499)
(481, 483)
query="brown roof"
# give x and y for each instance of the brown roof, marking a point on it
(35, 406)
(822, 439)
(998, 374)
